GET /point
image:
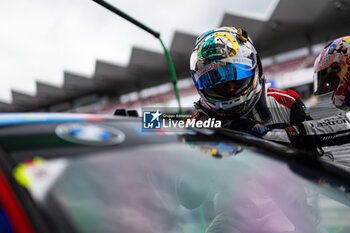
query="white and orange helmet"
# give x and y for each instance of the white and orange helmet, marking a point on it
(332, 72)
(226, 71)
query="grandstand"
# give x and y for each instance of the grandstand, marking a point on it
(286, 41)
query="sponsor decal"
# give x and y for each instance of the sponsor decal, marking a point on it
(206, 69)
(291, 131)
(239, 60)
(89, 134)
(286, 101)
(39, 175)
(330, 121)
(29, 118)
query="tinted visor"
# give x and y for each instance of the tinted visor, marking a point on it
(217, 74)
(226, 90)
(325, 82)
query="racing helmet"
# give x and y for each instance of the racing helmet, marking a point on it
(226, 71)
(332, 72)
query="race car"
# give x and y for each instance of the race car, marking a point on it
(92, 173)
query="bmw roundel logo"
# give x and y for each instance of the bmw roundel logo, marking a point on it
(89, 134)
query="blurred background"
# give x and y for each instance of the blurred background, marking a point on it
(76, 56)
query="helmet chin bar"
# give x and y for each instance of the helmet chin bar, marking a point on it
(238, 106)
(232, 102)
(239, 110)
(242, 101)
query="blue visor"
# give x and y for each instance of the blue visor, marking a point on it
(217, 74)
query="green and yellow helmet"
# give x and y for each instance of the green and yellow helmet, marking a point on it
(226, 71)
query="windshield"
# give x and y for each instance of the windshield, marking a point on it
(181, 188)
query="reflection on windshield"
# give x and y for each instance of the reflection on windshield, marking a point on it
(175, 188)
